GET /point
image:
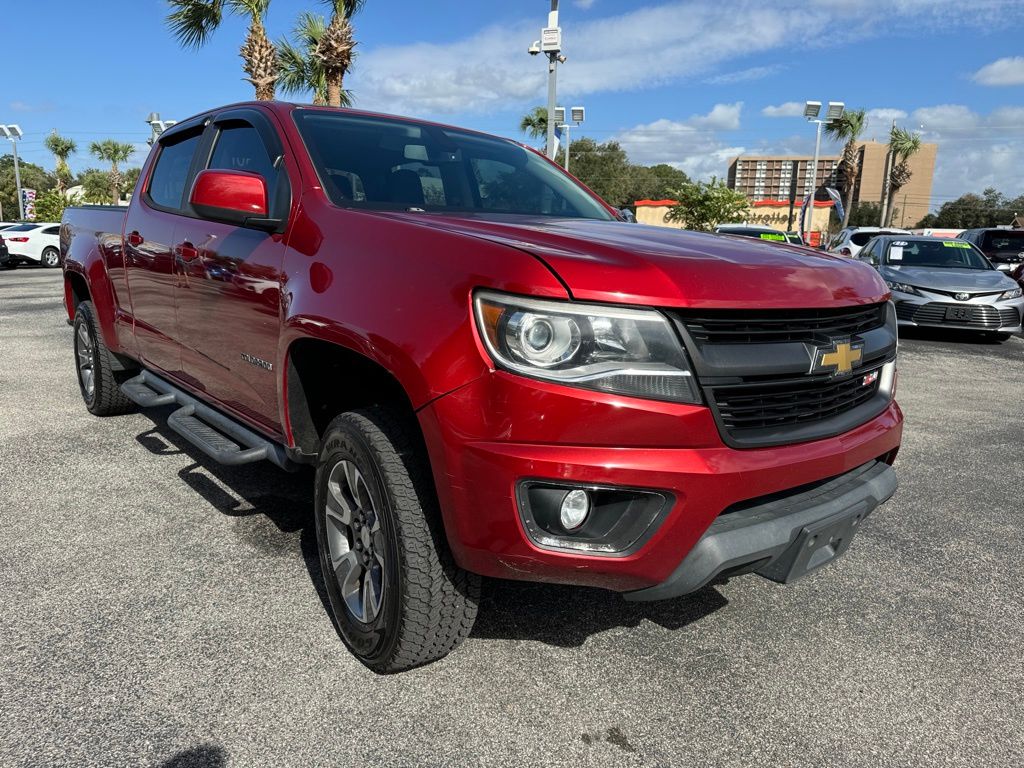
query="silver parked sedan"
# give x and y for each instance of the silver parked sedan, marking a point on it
(946, 283)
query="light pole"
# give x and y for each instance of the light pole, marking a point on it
(577, 116)
(13, 133)
(157, 126)
(811, 111)
(550, 44)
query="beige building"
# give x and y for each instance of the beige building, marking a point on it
(767, 213)
(770, 177)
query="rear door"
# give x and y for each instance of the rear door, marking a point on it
(149, 239)
(229, 302)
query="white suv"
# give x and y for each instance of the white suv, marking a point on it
(849, 241)
(37, 243)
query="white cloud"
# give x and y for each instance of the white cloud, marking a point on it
(745, 75)
(586, 5)
(1008, 71)
(722, 117)
(975, 150)
(640, 48)
(789, 109)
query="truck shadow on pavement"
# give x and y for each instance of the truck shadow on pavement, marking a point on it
(203, 756)
(274, 509)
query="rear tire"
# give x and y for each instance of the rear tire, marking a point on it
(98, 382)
(50, 257)
(397, 597)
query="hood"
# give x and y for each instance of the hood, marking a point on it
(661, 266)
(949, 280)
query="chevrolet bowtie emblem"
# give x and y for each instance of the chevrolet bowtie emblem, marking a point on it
(839, 358)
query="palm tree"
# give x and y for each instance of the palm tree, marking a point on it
(535, 123)
(113, 152)
(193, 21)
(848, 129)
(902, 145)
(62, 149)
(301, 70)
(335, 50)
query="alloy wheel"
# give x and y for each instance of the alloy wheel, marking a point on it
(85, 353)
(355, 542)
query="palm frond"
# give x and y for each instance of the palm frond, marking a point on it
(193, 21)
(346, 8)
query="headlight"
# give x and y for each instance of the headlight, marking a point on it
(624, 351)
(903, 288)
(1013, 293)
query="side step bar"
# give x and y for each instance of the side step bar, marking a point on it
(218, 436)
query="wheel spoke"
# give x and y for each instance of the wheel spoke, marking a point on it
(371, 597)
(348, 572)
(338, 506)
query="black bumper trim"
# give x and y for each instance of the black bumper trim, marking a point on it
(759, 534)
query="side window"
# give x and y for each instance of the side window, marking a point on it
(167, 183)
(240, 148)
(52, 231)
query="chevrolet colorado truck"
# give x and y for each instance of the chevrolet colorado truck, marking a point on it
(492, 372)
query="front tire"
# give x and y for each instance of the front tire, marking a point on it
(98, 382)
(50, 257)
(397, 597)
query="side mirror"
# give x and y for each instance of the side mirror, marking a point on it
(628, 215)
(234, 197)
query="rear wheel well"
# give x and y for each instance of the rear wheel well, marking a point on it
(79, 290)
(325, 380)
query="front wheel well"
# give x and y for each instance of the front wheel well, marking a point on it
(325, 380)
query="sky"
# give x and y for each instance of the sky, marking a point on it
(686, 82)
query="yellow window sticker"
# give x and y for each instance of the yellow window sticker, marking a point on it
(770, 236)
(955, 244)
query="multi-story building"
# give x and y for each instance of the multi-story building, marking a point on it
(769, 178)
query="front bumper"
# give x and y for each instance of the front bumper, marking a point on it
(981, 313)
(782, 538)
(499, 429)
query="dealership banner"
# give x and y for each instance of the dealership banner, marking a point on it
(28, 199)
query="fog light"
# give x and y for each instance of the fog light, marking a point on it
(574, 510)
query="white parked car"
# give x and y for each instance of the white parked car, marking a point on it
(35, 243)
(849, 241)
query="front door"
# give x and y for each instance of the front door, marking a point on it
(229, 299)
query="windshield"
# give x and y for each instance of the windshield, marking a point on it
(21, 228)
(954, 254)
(1004, 241)
(392, 164)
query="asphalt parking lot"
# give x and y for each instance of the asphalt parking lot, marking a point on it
(161, 610)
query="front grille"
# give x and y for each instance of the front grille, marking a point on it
(753, 368)
(796, 401)
(981, 316)
(766, 326)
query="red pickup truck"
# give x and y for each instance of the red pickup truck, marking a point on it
(493, 372)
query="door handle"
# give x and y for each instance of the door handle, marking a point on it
(187, 252)
(134, 239)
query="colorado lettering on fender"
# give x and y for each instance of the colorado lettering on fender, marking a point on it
(253, 360)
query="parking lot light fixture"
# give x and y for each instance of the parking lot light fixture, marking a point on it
(812, 109)
(12, 133)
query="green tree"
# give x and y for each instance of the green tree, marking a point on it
(32, 177)
(989, 209)
(903, 145)
(301, 70)
(115, 153)
(61, 148)
(864, 215)
(336, 47)
(848, 130)
(655, 182)
(95, 186)
(604, 168)
(535, 123)
(50, 205)
(702, 205)
(193, 21)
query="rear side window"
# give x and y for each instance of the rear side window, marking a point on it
(167, 184)
(861, 238)
(51, 231)
(240, 148)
